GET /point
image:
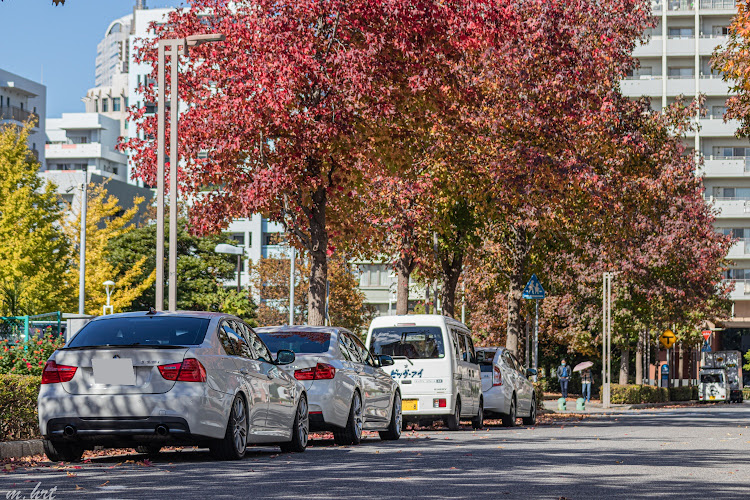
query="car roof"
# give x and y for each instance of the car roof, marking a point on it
(160, 314)
(416, 319)
(300, 328)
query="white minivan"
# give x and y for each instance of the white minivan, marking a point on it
(435, 366)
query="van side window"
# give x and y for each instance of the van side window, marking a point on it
(458, 343)
(470, 348)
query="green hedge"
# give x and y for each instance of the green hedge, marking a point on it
(746, 392)
(18, 415)
(683, 394)
(635, 394)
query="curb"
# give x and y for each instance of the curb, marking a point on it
(641, 406)
(20, 449)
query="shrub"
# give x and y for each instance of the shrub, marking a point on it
(27, 358)
(683, 393)
(635, 394)
(18, 413)
(746, 392)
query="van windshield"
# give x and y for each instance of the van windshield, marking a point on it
(712, 378)
(413, 342)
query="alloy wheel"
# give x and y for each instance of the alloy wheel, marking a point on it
(303, 422)
(357, 409)
(239, 417)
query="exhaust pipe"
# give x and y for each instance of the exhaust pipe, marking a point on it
(69, 431)
(162, 430)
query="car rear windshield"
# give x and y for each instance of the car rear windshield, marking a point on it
(299, 342)
(484, 358)
(137, 331)
(712, 378)
(413, 342)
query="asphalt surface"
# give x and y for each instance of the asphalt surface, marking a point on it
(693, 452)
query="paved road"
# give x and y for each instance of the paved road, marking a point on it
(695, 452)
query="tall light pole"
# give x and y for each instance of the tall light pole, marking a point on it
(82, 246)
(291, 284)
(172, 47)
(109, 285)
(606, 338)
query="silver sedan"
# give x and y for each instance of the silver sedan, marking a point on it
(348, 390)
(507, 390)
(144, 380)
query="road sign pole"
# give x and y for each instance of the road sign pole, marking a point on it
(536, 338)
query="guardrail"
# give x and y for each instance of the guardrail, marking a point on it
(17, 114)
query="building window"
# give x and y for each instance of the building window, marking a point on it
(96, 105)
(273, 239)
(115, 104)
(238, 239)
(374, 275)
(105, 106)
(680, 32)
(686, 72)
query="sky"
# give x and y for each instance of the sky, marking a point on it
(56, 45)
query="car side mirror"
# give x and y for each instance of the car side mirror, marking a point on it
(530, 372)
(285, 357)
(385, 360)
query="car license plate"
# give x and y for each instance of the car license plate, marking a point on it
(113, 371)
(712, 397)
(409, 404)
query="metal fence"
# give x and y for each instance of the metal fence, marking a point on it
(22, 328)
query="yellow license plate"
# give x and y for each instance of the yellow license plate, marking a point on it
(409, 404)
(712, 397)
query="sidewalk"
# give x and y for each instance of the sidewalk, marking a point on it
(595, 406)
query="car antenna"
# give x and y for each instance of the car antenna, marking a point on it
(151, 311)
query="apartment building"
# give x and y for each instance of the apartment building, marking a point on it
(85, 141)
(22, 99)
(675, 61)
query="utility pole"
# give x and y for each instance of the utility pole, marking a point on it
(437, 263)
(291, 285)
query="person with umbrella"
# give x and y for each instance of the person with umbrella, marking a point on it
(586, 379)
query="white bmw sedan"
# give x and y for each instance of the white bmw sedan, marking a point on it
(145, 380)
(348, 390)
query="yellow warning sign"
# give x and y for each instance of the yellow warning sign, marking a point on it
(667, 339)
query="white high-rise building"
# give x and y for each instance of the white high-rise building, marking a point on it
(20, 100)
(677, 60)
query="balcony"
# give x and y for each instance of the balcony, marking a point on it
(652, 48)
(683, 84)
(741, 289)
(713, 85)
(680, 6)
(18, 114)
(740, 249)
(731, 207)
(680, 45)
(708, 43)
(726, 166)
(717, 127)
(636, 86)
(718, 5)
(90, 150)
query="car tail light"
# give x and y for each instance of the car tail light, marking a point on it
(190, 370)
(55, 374)
(439, 403)
(497, 376)
(321, 371)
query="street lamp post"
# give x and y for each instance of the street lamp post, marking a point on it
(171, 46)
(82, 246)
(607, 339)
(109, 285)
(291, 284)
(233, 250)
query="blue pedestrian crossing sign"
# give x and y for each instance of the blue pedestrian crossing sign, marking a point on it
(533, 289)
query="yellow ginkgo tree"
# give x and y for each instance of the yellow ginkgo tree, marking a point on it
(105, 221)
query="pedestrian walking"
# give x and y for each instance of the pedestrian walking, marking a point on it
(563, 375)
(586, 384)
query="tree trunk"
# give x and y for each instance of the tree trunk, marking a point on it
(404, 267)
(639, 360)
(519, 251)
(316, 299)
(680, 365)
(452, 268)
(624, 365)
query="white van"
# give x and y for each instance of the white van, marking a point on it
(435, 366)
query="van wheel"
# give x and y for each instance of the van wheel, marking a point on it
(509, 420)
(352, 433)
(454, 421)
(394, 428)
(531, 419)
(234, 443)
(478, 421)
(59, 451)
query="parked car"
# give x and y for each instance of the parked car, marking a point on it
(347, 389)
(145, 380)
(435, 366)
(508, 393)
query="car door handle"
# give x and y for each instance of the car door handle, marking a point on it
(244, 371)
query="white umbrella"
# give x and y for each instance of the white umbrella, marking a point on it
(582, 366)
